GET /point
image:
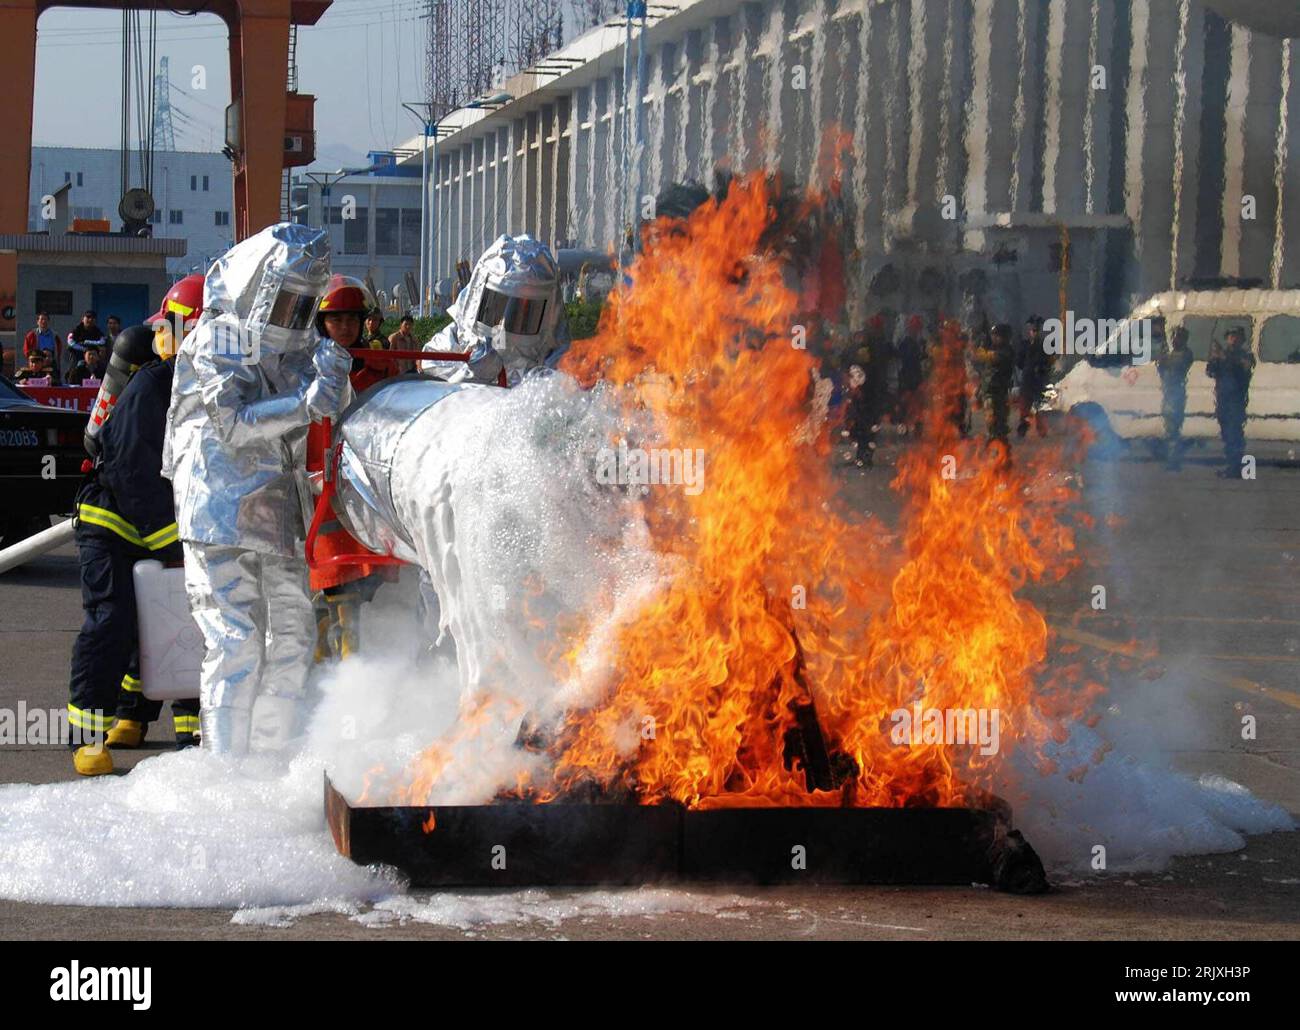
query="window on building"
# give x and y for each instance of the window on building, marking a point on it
(355, 230)
(175, 217)
(411, 231)
(194, 183)
(387, 235)
(79, 179)
(67, 176)
(333, 215)
(156, 217)
(221, 218)
(56, 302)
(1280, 340)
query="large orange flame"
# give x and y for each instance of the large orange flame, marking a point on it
(785, 599)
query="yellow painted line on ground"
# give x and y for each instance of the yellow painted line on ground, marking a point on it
(1286, 697)
(1191, 618)
(1246, 686)
(1293, 659)
(1080, 636)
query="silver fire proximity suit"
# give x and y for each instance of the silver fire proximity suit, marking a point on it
(249, 379)
(510, 316)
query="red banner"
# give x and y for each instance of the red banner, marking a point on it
(77, 398)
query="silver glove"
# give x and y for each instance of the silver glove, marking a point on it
(332, 360)
(326, 393)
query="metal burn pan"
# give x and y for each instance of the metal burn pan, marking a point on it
(512, 844)
(564, 844)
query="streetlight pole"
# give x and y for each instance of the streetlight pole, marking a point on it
(429, 196)
(324, 180)
(425, 118)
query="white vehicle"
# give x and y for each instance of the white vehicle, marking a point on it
(1110, 390)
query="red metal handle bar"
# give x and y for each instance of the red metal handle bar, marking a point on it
(408, 355)
(419, 355)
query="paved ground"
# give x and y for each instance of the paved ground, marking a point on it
(1203, 574)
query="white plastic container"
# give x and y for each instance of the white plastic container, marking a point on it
(171, 646)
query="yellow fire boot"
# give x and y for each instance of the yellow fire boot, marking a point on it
(92, 760)
(348, 613)
(126, 733)
(324, 623)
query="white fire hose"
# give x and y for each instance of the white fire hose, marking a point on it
(35, 546)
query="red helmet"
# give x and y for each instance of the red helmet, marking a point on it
(345, 295)
(185, 298)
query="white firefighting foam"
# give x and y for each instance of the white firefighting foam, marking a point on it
(182, 830)
(532, 541)
(474, 912)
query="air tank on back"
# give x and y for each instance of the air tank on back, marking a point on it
(131, 349)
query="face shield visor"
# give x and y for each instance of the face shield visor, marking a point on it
(518, 316)
(283, 315)
(292, 310)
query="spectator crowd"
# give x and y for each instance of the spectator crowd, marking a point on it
(878, 379)
(71, 360)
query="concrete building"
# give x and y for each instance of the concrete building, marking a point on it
(193, 195)
(373, 217)
(64, 273)
(1017, 156)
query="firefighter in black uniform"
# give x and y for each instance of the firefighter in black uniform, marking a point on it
(1231, 369)
(997, 362)
(124, 514)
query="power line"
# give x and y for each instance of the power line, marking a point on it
(190, 96)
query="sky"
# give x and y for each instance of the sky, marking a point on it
(361, 60)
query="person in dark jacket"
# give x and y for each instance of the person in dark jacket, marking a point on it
(859, 409)
(85, 333)
(38, 367)
(1173, 364)
(1035, 365)
(1231, 368)
(997, 364)
(124, 514)
(89, 367)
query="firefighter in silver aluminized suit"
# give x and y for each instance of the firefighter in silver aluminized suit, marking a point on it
(249, 379)
(509, 316)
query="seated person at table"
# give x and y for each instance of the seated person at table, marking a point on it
(38, 367)
(89, 367)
